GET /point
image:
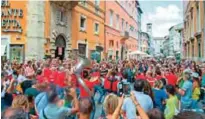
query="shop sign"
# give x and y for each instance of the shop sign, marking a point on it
(9, 22)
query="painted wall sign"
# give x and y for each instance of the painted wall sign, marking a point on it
(9, 22)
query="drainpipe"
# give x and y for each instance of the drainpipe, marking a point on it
(105, 31)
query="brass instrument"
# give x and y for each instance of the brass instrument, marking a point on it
(83, 62)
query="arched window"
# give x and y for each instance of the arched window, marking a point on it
(60, 41)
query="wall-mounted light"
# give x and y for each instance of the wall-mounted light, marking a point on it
(86, 40)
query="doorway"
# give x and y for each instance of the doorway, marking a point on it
(82, 49)
(117, 53)
(60, 44)
(122, 53)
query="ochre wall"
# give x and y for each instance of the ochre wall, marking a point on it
(23, 21)
(91, 18)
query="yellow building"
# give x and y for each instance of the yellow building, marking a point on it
(73, 27)
(88, 27)
(194, 33)
(13, 29)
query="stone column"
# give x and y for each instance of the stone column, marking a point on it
(35, 30)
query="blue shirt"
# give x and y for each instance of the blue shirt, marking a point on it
(203, 81)
(41, 101)
(159, 96)
(144, 100)
(186, 99)
(52, 111)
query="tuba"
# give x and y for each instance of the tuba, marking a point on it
(83, 62)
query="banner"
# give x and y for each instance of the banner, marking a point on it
(60, 50)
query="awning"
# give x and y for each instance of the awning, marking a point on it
(3, 49)
(137, 53)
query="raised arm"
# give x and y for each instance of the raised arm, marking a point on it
(140, 110)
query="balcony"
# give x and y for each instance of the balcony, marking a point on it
(125, 35)
(65, 4)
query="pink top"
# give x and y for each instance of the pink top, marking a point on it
(29, 71)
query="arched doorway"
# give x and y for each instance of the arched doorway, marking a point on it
(60, 44)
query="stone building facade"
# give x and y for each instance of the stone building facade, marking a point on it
(194, 25)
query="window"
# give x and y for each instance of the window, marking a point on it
(198, 19)
(82, 49)
(122, 24)
(192, 27)
(96, 27)
(192, 49)
(111, 18)
(60, 16)
(97, 4)
(188, 50)
(117, 22)
(126, 26)
(82, 23)
(199, 50)
(111, 43)
(117, 53)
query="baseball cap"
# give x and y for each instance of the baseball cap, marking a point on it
(195, 75)
(187, 71)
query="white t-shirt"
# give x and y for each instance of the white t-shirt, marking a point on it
(21, 78)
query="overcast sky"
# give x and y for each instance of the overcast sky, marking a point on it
(162, 14)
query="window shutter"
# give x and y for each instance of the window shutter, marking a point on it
(58, 16)
(65, 18)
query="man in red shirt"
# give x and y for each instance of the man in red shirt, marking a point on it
(47, 72)
(60, 81)
(140, 76)
(171, 78)
(90, 82)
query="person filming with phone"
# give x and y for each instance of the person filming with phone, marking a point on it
(144, 100)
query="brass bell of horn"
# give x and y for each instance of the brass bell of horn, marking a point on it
(83, 62)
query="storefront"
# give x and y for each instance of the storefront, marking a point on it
(17, 53)
(13, 30)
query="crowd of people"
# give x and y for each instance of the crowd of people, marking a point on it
(125, 89)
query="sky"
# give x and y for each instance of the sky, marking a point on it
(163, 14)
